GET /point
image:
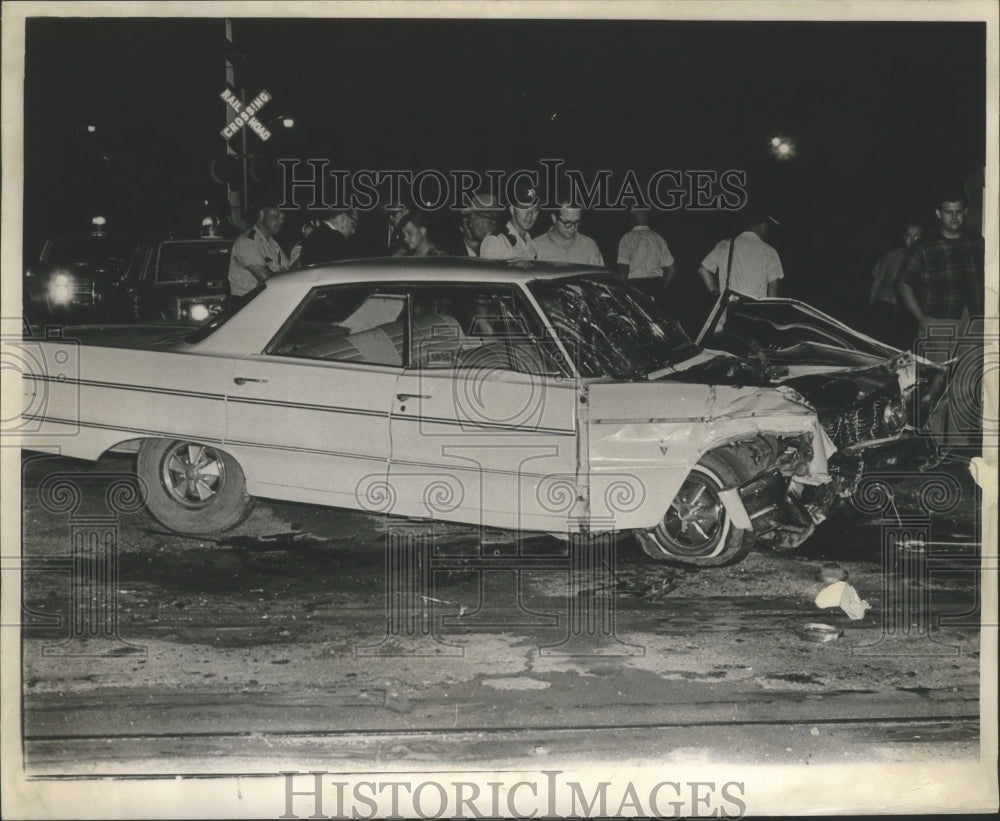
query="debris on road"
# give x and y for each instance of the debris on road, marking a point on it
(844, 596)
(817, 631)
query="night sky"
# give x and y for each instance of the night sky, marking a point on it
(882, 115)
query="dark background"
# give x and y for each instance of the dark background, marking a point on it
(882, 115)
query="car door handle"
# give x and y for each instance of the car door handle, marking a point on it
(402, 397)
(242, 380)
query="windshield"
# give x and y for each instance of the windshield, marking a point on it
(206, 263)
(111, 252)
(610, 329)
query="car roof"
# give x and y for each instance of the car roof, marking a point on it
(430, 269)
(186, 240)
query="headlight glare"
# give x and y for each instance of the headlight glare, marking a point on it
(199, 312)
(61, 289)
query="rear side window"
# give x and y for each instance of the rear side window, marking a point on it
(357, 323)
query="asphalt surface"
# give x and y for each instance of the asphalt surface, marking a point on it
(302, 638)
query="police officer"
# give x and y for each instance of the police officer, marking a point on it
(256, 254)
(513, 241)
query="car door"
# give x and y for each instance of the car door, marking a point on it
(484, 417)
(309, 417)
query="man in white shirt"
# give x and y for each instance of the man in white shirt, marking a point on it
(644, 259)
(256, 254)
(563, 242)
(514, 240)
(745, 264)
(480, 218)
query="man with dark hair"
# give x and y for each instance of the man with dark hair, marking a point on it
(256, 254)
(940, 284)
(941, 278)
(563, 242)
(745, 263)
(884, 317)
(413, 233)
(644, 258)
(331, 241)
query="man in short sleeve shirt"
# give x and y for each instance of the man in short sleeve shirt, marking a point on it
(514, 240)
(644, 259)
(756, 268)
(256, 254)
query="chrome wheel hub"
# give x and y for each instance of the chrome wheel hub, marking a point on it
(695, 519)
(193, 474)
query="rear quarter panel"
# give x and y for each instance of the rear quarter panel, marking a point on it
(80, 400)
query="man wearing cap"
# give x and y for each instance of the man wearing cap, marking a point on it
(480, 219)
(256, 254)
(644, 259)
(745, 263)
(395, 212)
(563, 242)
(331, 241)
(514, 240)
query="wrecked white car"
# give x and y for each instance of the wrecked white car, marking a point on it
(524, 396)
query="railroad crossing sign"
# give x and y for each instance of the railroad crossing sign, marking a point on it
(244, 114)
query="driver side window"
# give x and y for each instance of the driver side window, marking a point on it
(481, 327)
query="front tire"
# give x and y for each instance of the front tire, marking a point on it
(192, 488)
(696, 529)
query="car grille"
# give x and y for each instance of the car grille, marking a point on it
(861, 423)
(83, 291)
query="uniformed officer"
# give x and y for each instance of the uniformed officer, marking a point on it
(513, 241)
(256, 254)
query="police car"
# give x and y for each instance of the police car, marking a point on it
(179, 280)
(76, 276)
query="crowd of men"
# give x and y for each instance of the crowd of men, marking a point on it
(490, 230)
(929, 284)
(933, 279)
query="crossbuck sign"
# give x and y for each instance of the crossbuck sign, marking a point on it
(245, 115)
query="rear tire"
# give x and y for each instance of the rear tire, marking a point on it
(696, 529)
(192, 488)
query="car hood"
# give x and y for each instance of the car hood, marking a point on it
(191, 290)
(100, 272)
(789, 333)
(834, 385)
(819, 356)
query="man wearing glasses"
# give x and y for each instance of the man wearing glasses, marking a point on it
(563, 242)
(331, 241)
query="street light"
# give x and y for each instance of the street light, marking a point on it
(782, 148)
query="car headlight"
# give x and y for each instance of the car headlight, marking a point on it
(893, 415)
(199, 312)
(61, 289)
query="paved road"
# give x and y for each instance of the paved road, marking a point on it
(314, 637)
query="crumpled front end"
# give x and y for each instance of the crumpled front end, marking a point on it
(877, 417)
(771, 438)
